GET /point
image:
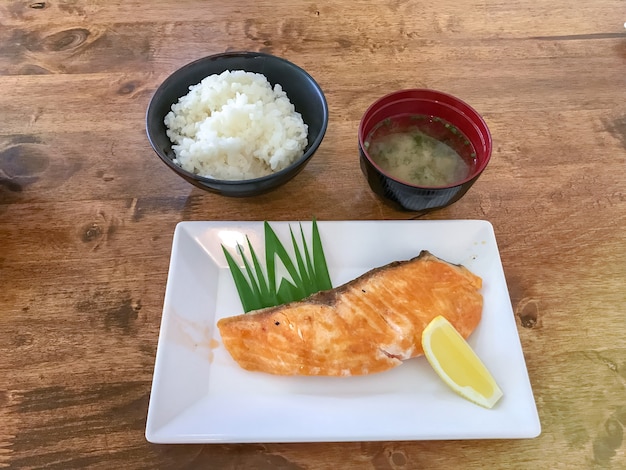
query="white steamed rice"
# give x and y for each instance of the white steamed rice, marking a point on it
(234, 126)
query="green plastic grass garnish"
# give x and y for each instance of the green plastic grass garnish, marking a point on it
(308, 272)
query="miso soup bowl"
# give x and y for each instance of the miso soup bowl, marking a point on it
(436, 105)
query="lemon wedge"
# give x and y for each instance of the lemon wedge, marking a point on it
(457, 364)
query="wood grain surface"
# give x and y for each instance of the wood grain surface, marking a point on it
(87, 211)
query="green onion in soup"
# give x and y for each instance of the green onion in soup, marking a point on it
(421, 150)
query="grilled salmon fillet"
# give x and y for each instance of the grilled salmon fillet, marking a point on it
(369, 325)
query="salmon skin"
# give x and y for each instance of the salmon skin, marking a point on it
(369, 325)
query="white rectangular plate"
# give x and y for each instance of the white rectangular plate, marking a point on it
(200, 395)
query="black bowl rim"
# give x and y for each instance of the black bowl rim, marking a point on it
(214, 181)
(488, 141)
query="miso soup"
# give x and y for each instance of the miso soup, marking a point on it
(421, 150)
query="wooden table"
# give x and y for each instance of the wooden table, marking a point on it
(87, 211)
